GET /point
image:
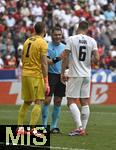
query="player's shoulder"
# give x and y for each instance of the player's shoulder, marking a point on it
(30, 39)
(42, 41)
(90, 38)
(27, 40)
(71, 38)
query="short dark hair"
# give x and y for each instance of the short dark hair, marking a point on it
(83, 25)
(39, 27)
(56, 28)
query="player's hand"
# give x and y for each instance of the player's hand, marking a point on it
(64, 78)
(47, 89)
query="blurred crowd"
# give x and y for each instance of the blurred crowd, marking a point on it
(17, 18)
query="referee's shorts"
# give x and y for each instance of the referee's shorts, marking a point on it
(57, 88)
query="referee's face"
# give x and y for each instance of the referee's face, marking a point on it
(57, 36)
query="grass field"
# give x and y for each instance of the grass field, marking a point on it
(101, 128)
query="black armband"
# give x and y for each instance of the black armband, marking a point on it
(56, 59)
(48, 57)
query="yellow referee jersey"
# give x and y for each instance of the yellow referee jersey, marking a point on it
(33, 48)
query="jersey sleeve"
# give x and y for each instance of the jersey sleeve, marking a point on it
(94, 47)
(44, 47)
(68, 45)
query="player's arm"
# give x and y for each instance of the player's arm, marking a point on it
(65, 56)
(44, 60)
(95, 57)
(65, 61)
(50, 62)
(57, 59)
(44, 64)
(94, 54)
(22, 57)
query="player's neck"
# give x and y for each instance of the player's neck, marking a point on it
(41, 35)
(82, 32)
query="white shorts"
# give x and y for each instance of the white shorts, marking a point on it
(78, 87)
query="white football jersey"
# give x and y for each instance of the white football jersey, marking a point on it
(80, 47)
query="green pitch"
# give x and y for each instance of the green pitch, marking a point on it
(101, 128)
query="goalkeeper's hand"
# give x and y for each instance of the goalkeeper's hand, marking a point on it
(47, 87)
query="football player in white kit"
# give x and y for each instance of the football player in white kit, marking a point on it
(81, 50)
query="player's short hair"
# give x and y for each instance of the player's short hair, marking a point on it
(39, 27)
(56, 28)
(83, 25)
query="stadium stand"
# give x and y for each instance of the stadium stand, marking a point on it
(17, 18)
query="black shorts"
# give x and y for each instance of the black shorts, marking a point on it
(57, 88)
